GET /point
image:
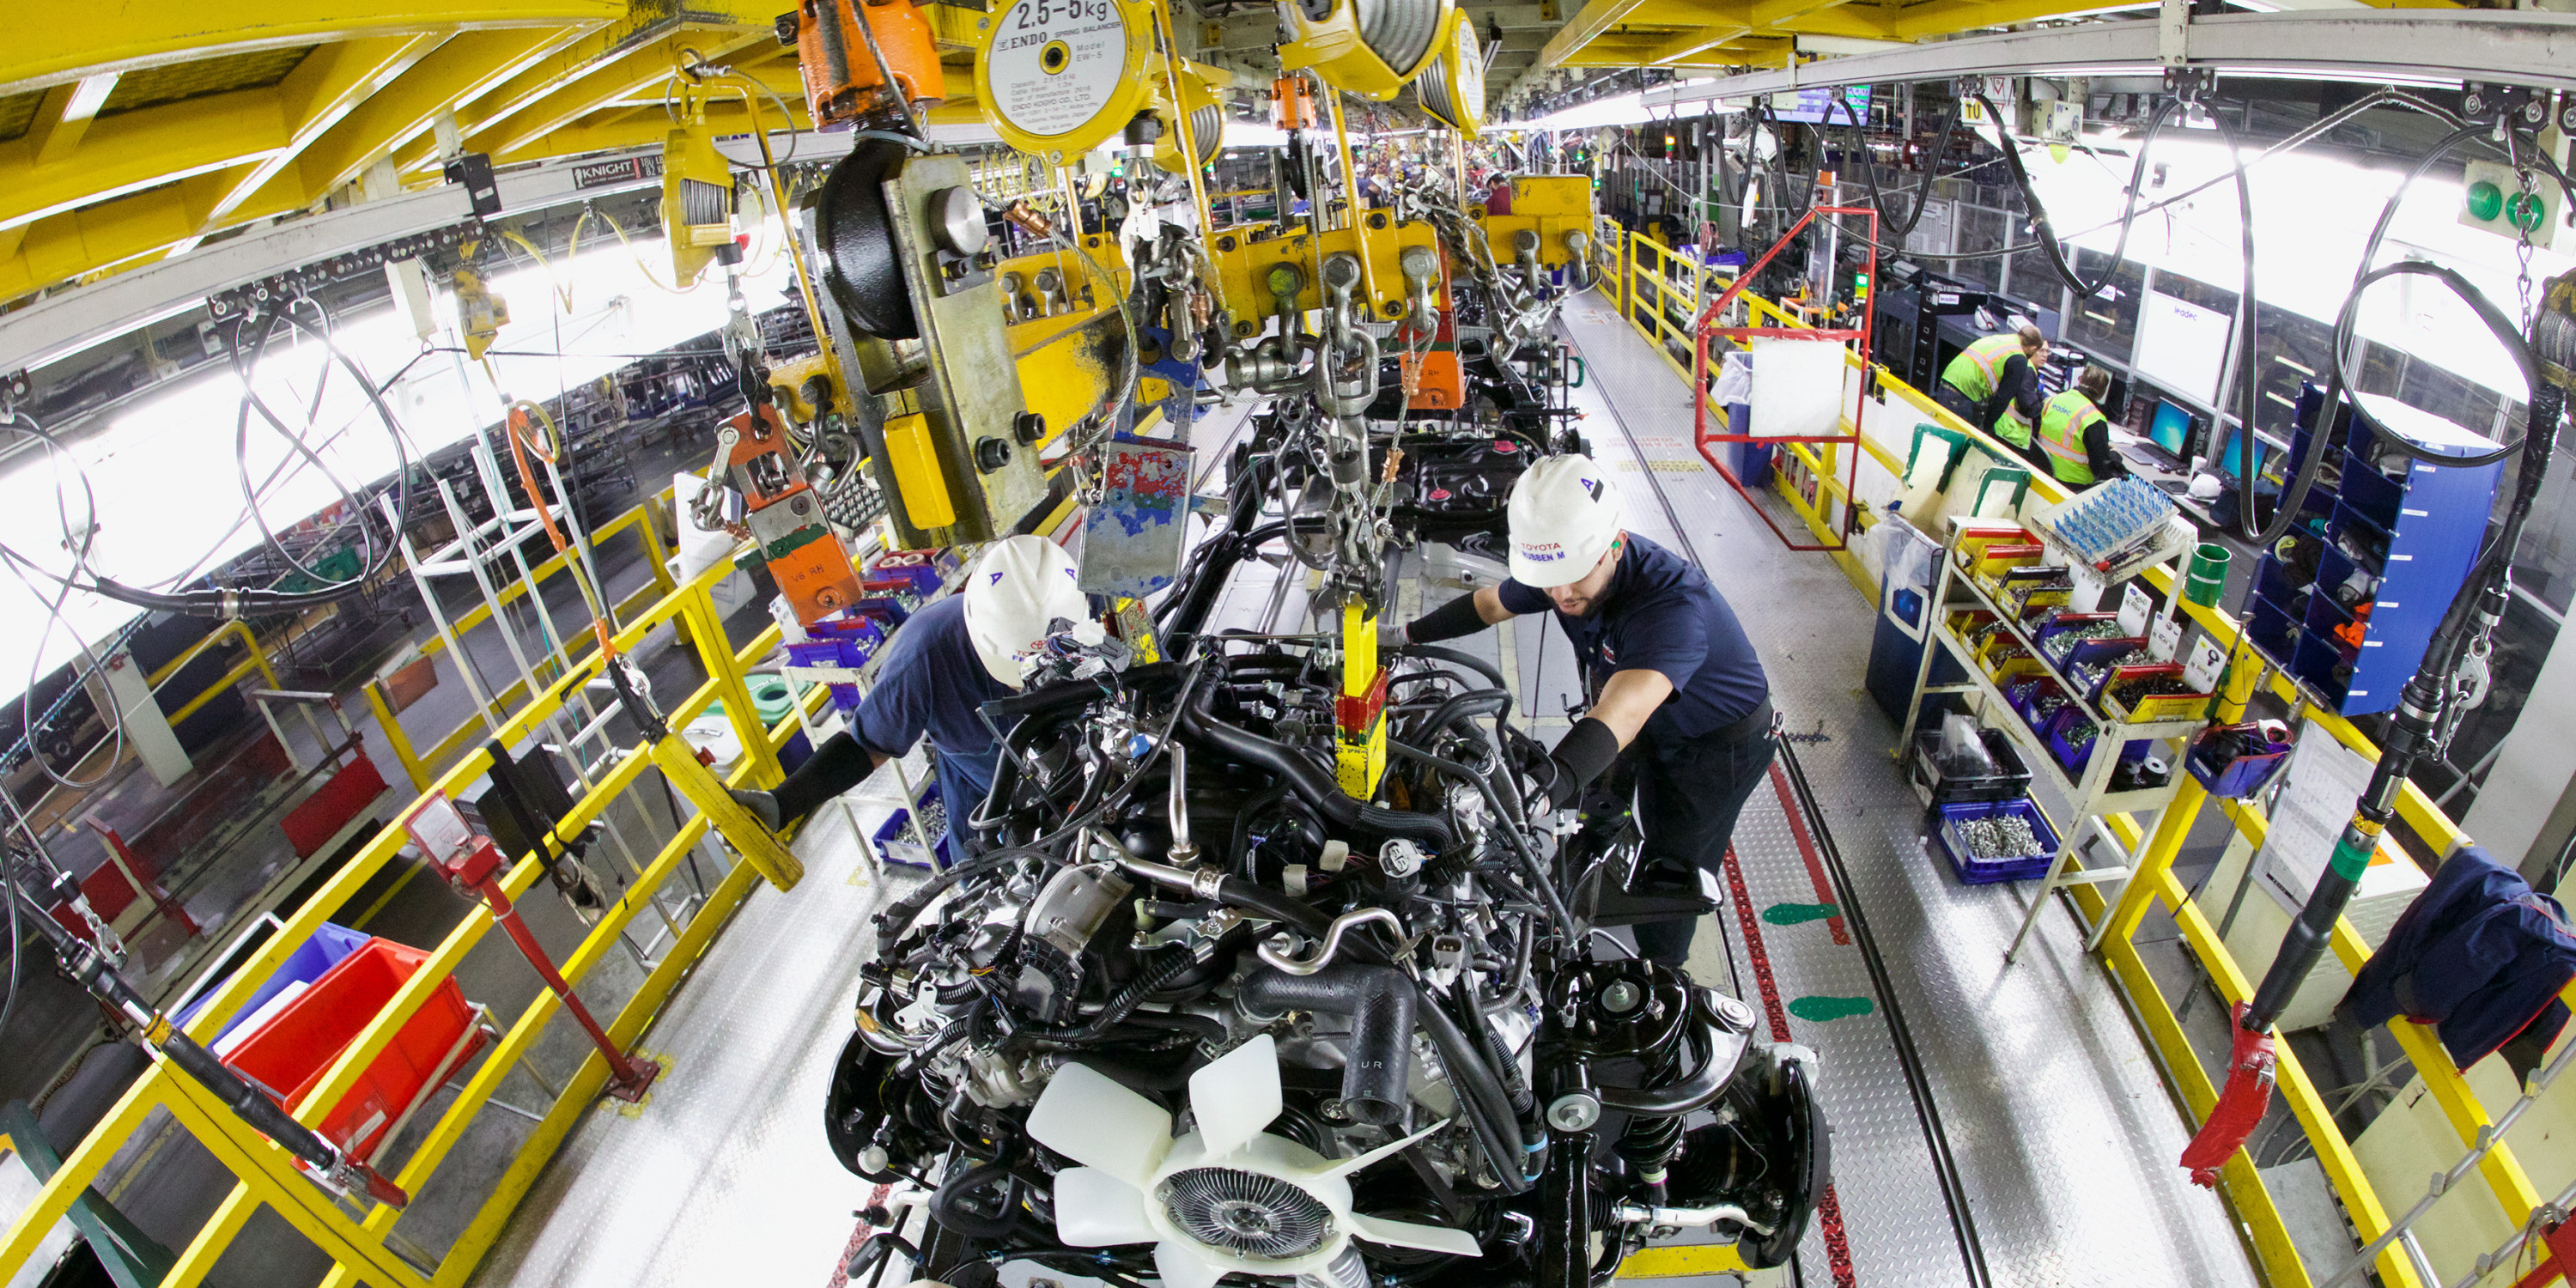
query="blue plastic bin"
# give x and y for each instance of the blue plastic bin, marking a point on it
(303, 966)
(1975, 871)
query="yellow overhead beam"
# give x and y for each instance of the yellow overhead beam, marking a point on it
(1701, 39)
(63, 118)
(54, 41)
(601, 85)
(322, 91)
(645, 127)
(460, 72)
(1595, 19)
(68, 246)
(140, 149)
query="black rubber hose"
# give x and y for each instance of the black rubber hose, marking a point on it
(1454, 657)
(1380, 1003)
(1531, 869)
(1172, 967)
(1506, 1068)
(2129, 211)
(1480, 1096)
(950, 1207)
(1469, 705)
(1310, 781)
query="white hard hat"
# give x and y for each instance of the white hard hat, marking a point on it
(1564, 514)
(1017, 591)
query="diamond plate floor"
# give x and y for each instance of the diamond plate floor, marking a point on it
(2061, 1134)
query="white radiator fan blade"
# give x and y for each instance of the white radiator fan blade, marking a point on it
(1405, 1234)
(1087, 1117)
(1094, 1209)
(1236, 1095)
(1180, 1267)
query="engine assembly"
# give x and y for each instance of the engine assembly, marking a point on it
(1194, 1009)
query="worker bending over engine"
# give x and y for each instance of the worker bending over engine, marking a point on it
(947, 661)
(1677, 695)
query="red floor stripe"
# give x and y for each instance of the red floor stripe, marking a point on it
(1807, 851)
(867, 1230)
(1829, 1210)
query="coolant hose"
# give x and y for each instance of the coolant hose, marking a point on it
(1380, 1003)
(1310, 781)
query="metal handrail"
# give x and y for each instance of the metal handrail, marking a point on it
(365, 1247)
(2153, 883)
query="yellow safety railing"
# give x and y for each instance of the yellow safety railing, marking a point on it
(253, 662)
(1639, 264)
(361, 1240)
(1660, 292)
(424, 766)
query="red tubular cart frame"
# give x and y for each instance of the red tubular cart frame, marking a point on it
(1704, 432)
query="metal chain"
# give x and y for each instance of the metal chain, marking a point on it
(2527, 199)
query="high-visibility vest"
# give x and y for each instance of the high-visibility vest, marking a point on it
(1973, 371)
(2062, 422)
(2011, 428)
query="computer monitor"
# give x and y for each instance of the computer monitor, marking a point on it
(2171, 429)
(2226, 461)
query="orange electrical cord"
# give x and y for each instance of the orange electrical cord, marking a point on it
(515, 425)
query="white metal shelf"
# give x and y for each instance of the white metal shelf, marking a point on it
(2088, 794)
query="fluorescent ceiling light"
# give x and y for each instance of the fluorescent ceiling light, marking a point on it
(1835, 46)
(89, 96)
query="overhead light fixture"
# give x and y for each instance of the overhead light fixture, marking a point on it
(89, 96)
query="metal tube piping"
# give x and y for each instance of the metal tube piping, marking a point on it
(1183, 850)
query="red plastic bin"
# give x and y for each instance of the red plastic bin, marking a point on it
(295, 1047)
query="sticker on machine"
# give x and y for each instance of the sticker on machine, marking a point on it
(1056, 63)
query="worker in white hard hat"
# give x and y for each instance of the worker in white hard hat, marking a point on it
(942, 664)
(1678, 697)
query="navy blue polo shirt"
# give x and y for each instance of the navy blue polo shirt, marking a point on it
(931, 682)
(1660, 614)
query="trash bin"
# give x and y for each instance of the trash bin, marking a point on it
(289, 1053)
(1908, 563)
(318, 954)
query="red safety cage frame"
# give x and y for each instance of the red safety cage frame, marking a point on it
(1705, 433)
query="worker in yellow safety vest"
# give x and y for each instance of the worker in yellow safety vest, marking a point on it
(2075, 435)
(1993, 373)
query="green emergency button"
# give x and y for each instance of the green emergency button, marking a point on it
(2486, 200)
(2526, 211)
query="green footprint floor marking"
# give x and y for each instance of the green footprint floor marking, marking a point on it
(1822, 1009)
(1795, 914)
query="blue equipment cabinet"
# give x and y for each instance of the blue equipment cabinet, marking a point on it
(2349, 600)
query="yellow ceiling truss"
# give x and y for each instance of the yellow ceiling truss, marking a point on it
(1743, 34)
(129, 138)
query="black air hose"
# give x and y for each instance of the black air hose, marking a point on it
(1380, 1003)
(1454, 657)
(1310, 780)
(1506, 1068)
(1480, 1095)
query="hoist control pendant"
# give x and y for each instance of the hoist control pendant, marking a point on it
(1059, 77)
